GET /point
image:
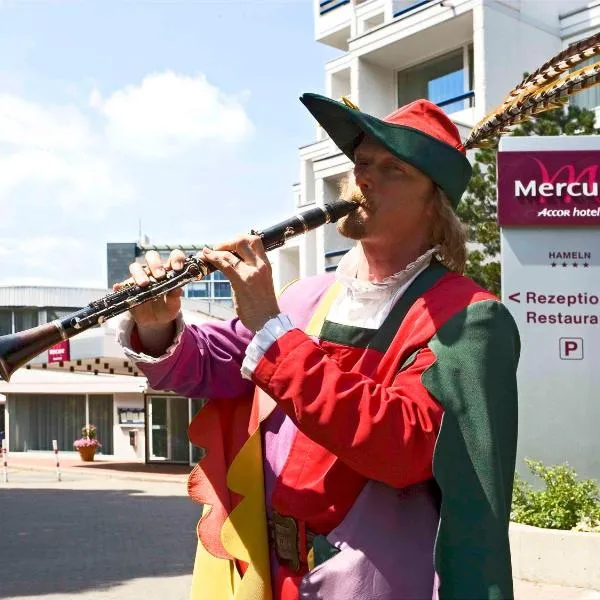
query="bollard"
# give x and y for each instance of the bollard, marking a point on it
(55, 448)
(4, 463)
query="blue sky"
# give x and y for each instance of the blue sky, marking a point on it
(184, 114)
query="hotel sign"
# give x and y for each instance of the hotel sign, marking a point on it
(549, 213)
(549, 188)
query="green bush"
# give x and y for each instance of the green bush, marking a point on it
(565, 503)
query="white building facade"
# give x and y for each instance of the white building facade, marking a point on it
(88, 379)
(464, 55)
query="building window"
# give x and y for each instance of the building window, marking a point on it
(589, 98)
(447, 81)
(198, 290)
(215, 285)
(5, 322)
(222, 289)
(25, 319)
(326, 6)
(401, 7)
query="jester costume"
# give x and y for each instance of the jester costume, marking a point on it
(371, 453)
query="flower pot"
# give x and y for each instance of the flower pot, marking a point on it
(87, 453)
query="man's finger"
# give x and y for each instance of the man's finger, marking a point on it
(225, 261)
(256, 244)
(155, 264)
(176, 260)
(138, 273)
(245, 252)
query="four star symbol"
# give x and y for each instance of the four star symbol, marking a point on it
(585, 265)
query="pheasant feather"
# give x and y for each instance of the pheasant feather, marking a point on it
(568, 58)
(548, 87)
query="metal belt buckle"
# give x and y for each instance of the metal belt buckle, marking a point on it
(286, 539)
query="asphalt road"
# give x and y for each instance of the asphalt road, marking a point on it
(95, 539)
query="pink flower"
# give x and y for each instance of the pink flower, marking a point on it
(86, 442)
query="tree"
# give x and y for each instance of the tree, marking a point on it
(478, 207)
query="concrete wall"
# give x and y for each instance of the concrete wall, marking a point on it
(556, 557)
(376, 93)
(507, 43)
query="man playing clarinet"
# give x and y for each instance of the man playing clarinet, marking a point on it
(361, 428)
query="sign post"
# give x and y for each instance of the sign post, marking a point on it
(55, 449)
(549, 215)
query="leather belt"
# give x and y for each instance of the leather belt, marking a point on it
(291, 540)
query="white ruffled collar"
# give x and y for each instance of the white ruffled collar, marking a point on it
(348, 267)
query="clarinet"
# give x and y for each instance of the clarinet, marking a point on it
(19, 348)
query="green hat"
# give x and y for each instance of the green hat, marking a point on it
(419, 133)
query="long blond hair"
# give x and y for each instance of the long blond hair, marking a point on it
(449, 234)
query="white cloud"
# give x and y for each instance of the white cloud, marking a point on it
(38, 251)
(56, 129)
(49, 260)
(73, 176)
(55, 148)
(167, 114)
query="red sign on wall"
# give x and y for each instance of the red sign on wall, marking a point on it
(549, 188)
(59, 352)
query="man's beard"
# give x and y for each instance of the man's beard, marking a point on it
(353, 225)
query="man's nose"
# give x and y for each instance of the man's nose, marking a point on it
(364, 178)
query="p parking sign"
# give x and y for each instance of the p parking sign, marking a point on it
(571, 348)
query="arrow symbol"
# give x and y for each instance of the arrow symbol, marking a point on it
(515, 297)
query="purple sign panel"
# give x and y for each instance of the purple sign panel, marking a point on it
(549, 188)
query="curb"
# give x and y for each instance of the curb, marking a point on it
(555, 556)
(104, 473)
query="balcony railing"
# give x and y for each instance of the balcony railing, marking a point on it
(466, 96)
(407, 8)
(326, 6)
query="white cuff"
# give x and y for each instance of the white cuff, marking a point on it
(124, 338)
(272, 330)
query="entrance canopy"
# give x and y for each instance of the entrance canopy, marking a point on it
(37, 381)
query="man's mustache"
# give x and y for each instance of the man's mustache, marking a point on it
(360, 199)
(353, 194)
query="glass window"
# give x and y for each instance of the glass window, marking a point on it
(101, 415)
(589, 98)
(25, 318)
(222, 289)
(169, 420)
(437, 80)
(5, 321)
(37, 419)
(198, 290)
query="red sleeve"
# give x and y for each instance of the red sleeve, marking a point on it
(384, 433)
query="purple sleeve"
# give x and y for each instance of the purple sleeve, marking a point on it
(206, 362)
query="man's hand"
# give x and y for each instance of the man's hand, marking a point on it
(251, 279)
(156, 319)
(163, 310)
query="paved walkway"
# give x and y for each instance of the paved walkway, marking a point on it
(95, 538)
(22, 469)
(103, 466)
